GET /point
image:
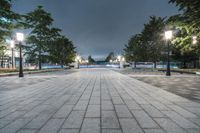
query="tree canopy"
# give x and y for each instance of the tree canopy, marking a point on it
(62, 51)
(8, 19)
(191, 11)
(90, 60)
(109, 57)
(42, 33)
(147, 45)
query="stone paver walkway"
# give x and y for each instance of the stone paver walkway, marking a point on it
(185, 85)
(96, 101)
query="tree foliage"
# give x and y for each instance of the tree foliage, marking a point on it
(191, 11)
(153, 39)
(42, 34)
(7, 19)
(135, 50)
(188, 25)
(90, 60)
(183, 37)
(62, 51)
(109, 57)
(147, 45)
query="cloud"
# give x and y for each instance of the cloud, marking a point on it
(99, 26)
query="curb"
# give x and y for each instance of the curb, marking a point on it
(28, 72)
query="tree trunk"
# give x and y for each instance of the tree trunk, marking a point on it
(62, 66)
(199, 62)
(194, 64)
(155, 65)
(184, 64)
(135, 64)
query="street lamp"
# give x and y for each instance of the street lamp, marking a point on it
(20, 38)
(12, 45)
(121, 60)
(119, 57)
(168, 37)
(77, 59)
(194, 40)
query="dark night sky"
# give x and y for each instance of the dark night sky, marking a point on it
(98, 27)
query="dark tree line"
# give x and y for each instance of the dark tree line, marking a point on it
(149, 45)
(8, 21)
(91, 60)
(44, 43)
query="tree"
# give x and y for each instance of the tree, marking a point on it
(136, 50)
(7, 19)
(42, 34)
(182, 42)
(90, 59)
(109, 57)
(151, 36)
(185, 57)
(148, 45)
(190, 10)
(62, 51)
(188, 24)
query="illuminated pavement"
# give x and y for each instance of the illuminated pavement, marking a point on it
(13, 82)
(185, 85)
(95, 101)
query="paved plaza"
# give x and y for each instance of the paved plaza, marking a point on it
(185, 85)
(95, 101)
(13, 82)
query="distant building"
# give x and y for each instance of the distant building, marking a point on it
(6, 60)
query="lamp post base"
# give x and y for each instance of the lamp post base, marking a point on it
(168, 74)
(21, 75)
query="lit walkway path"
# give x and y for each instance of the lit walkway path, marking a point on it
(96, 101)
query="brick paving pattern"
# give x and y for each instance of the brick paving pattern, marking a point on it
(96, 101)
(185, 85)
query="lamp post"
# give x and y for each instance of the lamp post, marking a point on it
(194, 42)
(77, 60)
(121, 60)
(194, 39)
(168, 37)
(20, 38)
(12, 45)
